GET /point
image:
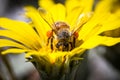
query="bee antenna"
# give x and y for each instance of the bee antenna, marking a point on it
(41, 10)
(43, 13)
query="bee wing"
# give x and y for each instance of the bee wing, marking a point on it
(47, 17)
(82, 19)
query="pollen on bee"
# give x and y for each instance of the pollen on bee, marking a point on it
(76, 34)
(49, 33)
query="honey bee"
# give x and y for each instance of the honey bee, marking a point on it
(66, 39)
(62, 31)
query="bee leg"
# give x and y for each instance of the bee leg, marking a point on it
(51, 45)
(48, 41)
(59, 45)
(75, 36)
(74, 41)
(50, 37)
(71, 45)
(66, 46)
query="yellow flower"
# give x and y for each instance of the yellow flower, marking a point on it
(31, 37)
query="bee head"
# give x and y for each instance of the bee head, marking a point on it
(63, 34)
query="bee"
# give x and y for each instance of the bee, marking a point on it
(66, 39)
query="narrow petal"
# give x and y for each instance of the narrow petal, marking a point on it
(7, 43)
(41, 26)
(93, 25)
(77, 50)
(99, 24)
(72, 4)
(75, 8)
(57, 56)
(99, 40)
(14, 51)
(113, 22)
(103, 6)
(15, 36)
(112, 33)
(58, 12)
(46, 4)
(87, 5)
(117, 13)
(73, 15)
(21, 28)
(31, 53)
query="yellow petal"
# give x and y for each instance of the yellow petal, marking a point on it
(58, 12)
(112, 33)
(98, 24)
(15, 36)
(53, 57)
(113, 22)
(118, 13)
(72, 4)
(21, 28)
(41, 26)
(99, 40)
(31, 53)
(14, 51)
(87, 5)
(72, 19)
(7, 43)
(103, 6)
(77, 50)
(46, 4)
